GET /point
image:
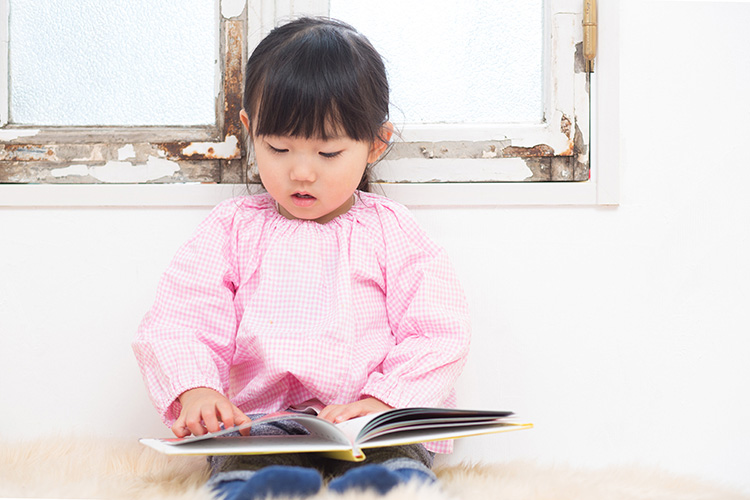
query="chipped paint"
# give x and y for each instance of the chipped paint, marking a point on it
(566, 127)
(97, 152)
(232, 8)
(227, 149)
(79, 170)
(126, 152)
(12, 134)
(122, 171)
(233, 41)
(529, 151)
(27, 152)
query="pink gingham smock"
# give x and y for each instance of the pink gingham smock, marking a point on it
(274, 312)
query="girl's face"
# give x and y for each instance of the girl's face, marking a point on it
(312, 179)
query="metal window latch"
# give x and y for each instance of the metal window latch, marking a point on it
(589, 34)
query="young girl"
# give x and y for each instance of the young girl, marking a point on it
(316, 294)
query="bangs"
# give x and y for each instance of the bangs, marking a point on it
(295, 111)
(314, 89)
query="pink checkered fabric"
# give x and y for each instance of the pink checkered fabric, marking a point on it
(273, 312)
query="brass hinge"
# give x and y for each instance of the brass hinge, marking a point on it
(589, 34)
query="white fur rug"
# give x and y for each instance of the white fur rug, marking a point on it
(75, 469)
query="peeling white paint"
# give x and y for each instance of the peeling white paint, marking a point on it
(123, 171)
(81, 170)
(226, 149)
(126, 152)
(11, 134)
(116, 171)
(232, 8)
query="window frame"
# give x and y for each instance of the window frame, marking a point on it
(554, 150)
(92, 155)
(602, 187)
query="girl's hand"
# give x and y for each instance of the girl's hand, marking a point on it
(342, 413)
(202, 411)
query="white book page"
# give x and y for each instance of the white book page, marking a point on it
(439, 434)
(353, 427)
(248, 445)
(317, 427)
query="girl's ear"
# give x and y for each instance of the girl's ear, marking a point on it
(381, 143)
(245, 119)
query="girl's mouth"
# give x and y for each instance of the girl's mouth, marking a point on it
(303, 199)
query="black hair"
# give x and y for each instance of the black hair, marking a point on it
(317, 78)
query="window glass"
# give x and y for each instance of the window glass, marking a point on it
(457, 62)
(112, 63)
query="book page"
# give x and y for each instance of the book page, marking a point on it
(255, 445)
(322, 429)
(439, 434)
(353, 428)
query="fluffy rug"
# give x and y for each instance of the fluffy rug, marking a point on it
(75, 469)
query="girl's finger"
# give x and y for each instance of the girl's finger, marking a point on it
(210, 420)
(193, 421)
(179, 429)
(239, 419)
(326, 413)
(348, 412)
(226, 413)
(334, 413)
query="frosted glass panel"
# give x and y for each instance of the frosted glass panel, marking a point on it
(456, 62)
(112, 62)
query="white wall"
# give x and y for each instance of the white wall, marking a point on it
(622, 333)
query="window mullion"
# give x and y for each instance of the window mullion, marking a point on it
(233, 51)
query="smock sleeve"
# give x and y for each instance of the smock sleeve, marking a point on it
(187, 338)
(428, 315)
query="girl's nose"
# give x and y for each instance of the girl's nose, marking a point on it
(303, 171)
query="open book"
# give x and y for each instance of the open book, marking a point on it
(346, 440)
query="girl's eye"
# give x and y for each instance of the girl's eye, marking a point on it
(330, 155)
(276, 150)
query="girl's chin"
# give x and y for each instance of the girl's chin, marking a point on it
(297, 212)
